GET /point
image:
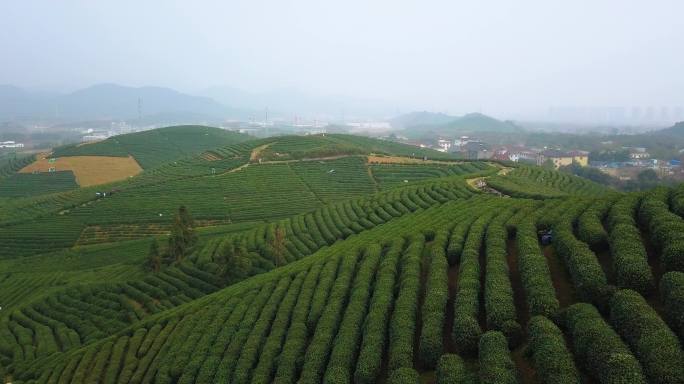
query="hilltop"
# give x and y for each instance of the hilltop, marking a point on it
(422, 125)
(421, 119)
(158, 146)
(676, 130)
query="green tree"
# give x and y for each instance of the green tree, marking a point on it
(154, 259)
(548, 164)
(183, 235)
(234, 261)
(278, 246)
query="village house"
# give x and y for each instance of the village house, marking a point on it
(11, 144)
(638, 153)
(562, 158)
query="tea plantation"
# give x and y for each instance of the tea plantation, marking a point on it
(158, 146)
(314, 265)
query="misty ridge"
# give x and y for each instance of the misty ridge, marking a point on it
(345, 62)
(112, 102)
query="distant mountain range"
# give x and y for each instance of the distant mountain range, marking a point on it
(289, 102)
(421, 124)
(111, 101)
(165, 105)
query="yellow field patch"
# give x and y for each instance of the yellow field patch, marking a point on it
(89, 170)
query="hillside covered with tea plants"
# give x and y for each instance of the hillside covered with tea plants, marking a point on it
(341, 259)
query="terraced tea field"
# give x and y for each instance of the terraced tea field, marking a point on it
(350, 271)
(458, 290)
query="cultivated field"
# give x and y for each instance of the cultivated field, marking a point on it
(88, 170)
(320, 266)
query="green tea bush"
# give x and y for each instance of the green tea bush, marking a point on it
(266, 360)
(590, 227)
(376, 323)
(348, 338)
(466, 330)
(551, 358)
(598, 348)
(498, 292)
(434, 304)
(319, 348)
(654, 344)
(451, 369)
(666, 229)
(496, 365)
(583, 266)
(534, 272)
(403, 321)
(672, 293)
(291, 357)
(404, 376)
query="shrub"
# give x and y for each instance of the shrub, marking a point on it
(241, 332)
(499, 306)
(403, 320)
(589, 224)
(598, 348)
(321, 343)
(376, 323)
(654, 344)
(341, 363)
(672, 293)
(434, 304)
(551, 358)
(272, 347)
(466, 330)
(252, 347)
(450, 369)
(290, 358)
(326, 281)
(404, 376)
(630, 261)
(673, 256)
(585, 271)
(456, 239)
(496, 365)
(666, 229)
(534, 272)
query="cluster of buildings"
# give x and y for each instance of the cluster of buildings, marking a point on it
(476, 149)
(11, 144)
(639, 160)
(91, 135)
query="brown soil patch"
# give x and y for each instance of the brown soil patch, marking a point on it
(89, 170)
(254, 156)
(88, 143)
(561, 280)
(210, 156)
(504, 171)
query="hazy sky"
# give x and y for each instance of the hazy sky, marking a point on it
(500, 57)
